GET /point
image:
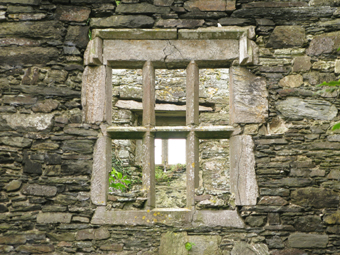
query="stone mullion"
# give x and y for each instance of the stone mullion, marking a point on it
(192, 120)
(149, 120)
(165, 152)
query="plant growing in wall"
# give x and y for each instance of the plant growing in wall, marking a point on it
(117, 180)
(188, 246)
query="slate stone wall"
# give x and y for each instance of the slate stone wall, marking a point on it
(46, 150)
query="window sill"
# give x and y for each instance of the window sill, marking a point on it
(169, 217)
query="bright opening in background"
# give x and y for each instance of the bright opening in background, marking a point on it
(176, 151)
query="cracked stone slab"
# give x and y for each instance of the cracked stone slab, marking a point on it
(169, 217)
(170, 53)
(135, 34)
(242, 170)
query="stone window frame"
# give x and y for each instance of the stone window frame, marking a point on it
(226, 47)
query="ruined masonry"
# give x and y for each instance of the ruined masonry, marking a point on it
(84, 83)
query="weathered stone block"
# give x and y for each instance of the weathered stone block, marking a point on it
(173, 243)
(163, 2)
(3, 208)
(41, 29)
(46, 106)
(333, 218)
(324, 44)
(67, 236)
(248, 97)
(135, 34)
(27, 55)
(16, 141)
(44, 218)
(179, 23)
(72, 13)
(297, 108)
(39, 190)
(307, 241)
(309, 224)
(94, 52)
(170, 54)
(222, 218)
(141, 8)
(289, 251)
(291, 81)
(96, 94)
(206, 5)
(302, 64)
(112, 247)
(324, 2)
(256, 221)
(78, 36)
(315, 197)
(242, 170)
(18, 239)
(101, 167)
(35, 248)
(13, 185)
(249, 249)
(80, 146)
(28, 2)
(132, 21)
(287, 37)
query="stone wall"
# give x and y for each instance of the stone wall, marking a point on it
(46, 150)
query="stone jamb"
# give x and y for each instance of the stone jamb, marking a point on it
(105, 42)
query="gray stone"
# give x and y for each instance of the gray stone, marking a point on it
(275, 200)
(81, 131)
(35, 248)
(206, 5)
(324, 44)
(39, 190)
(27, 55)
(13, 185)
(28, 2)
(78, 36)
(179, 23)
(291, 81)
(256, 221)
(215, 218)
(3, 208)
(72, 13)
(93, 234)
(204, 245)
(40, 29)
(96, 94)
(19, 100)
(163, 2)
(248, 97)
(302, 64)
(67, 236)
(16, 141)
(315, 197)
(242, 170)
(48, 145)
(135, 34)
(275, 242)
(324, 2)
(307, 241)
(76, 167)
(46, 106)
(141, 8)
(44, 218)
(80, 146)
(173, 243)
(333, 218)
(101, 166)
(249, 249)
(297, 108)
(289, 251)
(6, 248)
(124, 21)
(32, 167)
(13, 239)
(287, 37)
(309, 223)
(170, 53)
(29, 122)
(112, 247)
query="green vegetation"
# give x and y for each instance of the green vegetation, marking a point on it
(118, 181)
(188, 246)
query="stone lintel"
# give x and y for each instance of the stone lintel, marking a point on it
(135, 34)
(207, 33)
(243, 181)
(246, 51)
(216, 33)
(170, 217)
(166, 132)
(170, 53)
(94, 52)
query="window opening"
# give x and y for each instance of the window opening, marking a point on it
(170, 89)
